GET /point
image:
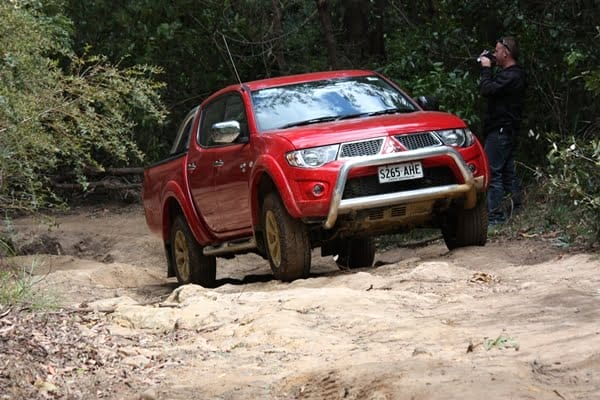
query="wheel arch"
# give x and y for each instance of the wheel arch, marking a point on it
(177, 200)
(268, 175)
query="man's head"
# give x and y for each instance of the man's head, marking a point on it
(506, 52)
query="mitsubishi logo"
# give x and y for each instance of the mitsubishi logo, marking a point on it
(391, 145)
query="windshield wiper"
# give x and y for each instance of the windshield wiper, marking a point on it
(373, 113)
(390, 111)
(311, 121)
(357, 115)
(329, 118)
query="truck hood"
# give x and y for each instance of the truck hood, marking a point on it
(368, 127)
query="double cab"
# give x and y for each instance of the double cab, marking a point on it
(325, 160)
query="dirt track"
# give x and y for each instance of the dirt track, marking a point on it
(512, 320)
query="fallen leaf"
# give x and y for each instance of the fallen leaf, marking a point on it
(45, 386)
(482, 277)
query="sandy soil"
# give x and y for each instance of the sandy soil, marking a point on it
(516, 319)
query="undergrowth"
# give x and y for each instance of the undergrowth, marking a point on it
(563, 223)
(18, 285)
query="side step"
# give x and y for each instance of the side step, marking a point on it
(233, 246)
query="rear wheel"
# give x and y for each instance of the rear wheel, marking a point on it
(467, 227)
(190, 264)
(356, 253)
(286, 241)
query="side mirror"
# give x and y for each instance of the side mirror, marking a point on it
(428, 103)
(225, 132)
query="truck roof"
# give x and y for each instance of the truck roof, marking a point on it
(301, 78)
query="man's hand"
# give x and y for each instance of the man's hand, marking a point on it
(485, 60)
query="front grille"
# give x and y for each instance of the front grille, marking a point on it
(357, 149)
(418, 140)
(369, 185)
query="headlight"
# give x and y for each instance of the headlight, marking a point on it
(456, 137)
(314, 157)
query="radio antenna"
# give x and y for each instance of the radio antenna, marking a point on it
(231, 59)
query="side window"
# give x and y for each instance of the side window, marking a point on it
(235, 111)
(182, 140)
(211, 114)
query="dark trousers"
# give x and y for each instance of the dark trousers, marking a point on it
(499, 147)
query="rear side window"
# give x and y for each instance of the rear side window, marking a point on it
(182, 140)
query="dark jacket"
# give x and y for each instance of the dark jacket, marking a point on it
(505, 92)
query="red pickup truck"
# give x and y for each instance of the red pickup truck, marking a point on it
(283, 165)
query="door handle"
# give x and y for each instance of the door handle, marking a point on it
(218, 163)
(191, 166)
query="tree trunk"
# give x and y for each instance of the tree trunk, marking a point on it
(279, 42)
(356, 29)
(325, 17)
(364, 30)
(377, 36)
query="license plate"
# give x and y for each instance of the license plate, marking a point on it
(400, 172)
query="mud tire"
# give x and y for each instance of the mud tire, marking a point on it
(356, 253)
(287, 244)
(467, 227)
(189, 263)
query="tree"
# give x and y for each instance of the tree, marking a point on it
(279, 40)
(60, 112)
(330, 42)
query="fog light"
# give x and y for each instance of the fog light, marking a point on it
(472, 167)
(318, 189)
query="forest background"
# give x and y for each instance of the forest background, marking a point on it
(91, 85)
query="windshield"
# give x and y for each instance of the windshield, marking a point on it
(327, 100)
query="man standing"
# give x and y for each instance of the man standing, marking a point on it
(504, 91)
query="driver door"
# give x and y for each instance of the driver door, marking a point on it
(219, 183)
(232, 173)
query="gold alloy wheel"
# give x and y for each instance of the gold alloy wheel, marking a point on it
(273, 241)
(182, 256)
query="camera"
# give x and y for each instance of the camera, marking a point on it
(488, 54)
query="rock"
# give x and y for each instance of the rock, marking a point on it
(149, 394)
(136, 361)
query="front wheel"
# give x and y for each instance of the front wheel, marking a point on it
(467, 227)
(356, 253)
(286, 241)
(190, 264)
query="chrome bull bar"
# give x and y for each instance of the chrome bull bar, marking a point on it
(340, 206)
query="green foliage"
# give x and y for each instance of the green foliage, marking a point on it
(60, 113)
(185, 39)
(572, 175)
(18, 288)
(501, 342)
(562, 205)
(551, 218)
(574, 181)
(437, 58)
(5, 247)
(453, 88)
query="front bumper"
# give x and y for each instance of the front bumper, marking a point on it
(468, 189)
